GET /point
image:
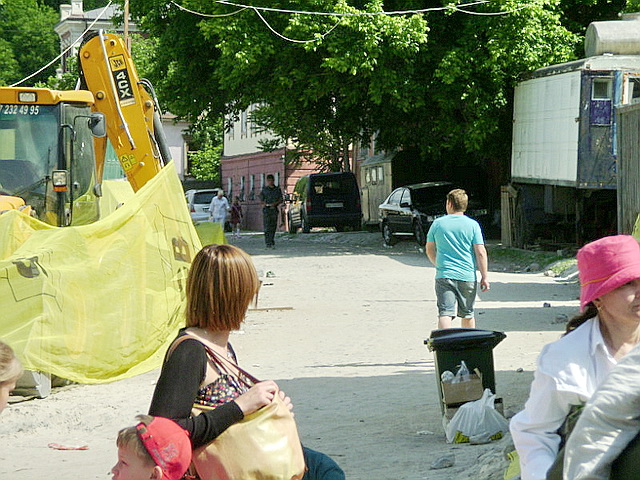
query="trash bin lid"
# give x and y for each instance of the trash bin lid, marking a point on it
(463, 339)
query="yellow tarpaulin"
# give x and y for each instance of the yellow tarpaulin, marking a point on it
(210, 233)
(100, 302)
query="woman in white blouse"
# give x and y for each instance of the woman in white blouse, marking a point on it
(571, 368)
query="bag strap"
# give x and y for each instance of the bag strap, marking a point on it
(214, 356)
(221, 361)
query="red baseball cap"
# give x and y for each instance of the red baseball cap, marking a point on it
(606, 264)
(169, 446)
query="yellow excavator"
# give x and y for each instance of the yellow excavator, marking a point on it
(53, 144)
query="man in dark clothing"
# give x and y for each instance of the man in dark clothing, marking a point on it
(271, 197)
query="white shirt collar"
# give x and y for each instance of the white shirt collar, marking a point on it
(597, 340)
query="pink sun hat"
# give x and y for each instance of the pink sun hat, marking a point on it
(606, 264)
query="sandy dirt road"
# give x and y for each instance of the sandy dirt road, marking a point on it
(349, 351)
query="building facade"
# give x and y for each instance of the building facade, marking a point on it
(244, 167)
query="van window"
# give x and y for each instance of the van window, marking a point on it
(333, 185)
(200, 198)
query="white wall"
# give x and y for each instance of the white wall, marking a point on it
(545, 130)
(243, 138)
(178, 147)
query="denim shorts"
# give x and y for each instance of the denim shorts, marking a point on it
(449, 292)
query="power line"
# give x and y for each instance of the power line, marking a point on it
(293, 40)
(489, 14)
(352, 14)
(67, 49)
(208, 15)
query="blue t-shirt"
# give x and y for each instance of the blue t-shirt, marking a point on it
(455, 236)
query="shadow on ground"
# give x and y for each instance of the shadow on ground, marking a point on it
(388, 427)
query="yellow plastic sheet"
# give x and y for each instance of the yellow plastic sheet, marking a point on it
(210, 233)
(99, 302)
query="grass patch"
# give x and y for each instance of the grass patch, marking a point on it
(521, 257)
(561, 265)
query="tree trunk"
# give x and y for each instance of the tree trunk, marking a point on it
(345, 156)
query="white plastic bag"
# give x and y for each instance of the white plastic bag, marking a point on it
(477, 419)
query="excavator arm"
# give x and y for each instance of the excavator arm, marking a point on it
(134, 127)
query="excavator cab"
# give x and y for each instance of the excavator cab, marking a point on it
(47, 153)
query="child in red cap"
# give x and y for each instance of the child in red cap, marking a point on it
(155, 449)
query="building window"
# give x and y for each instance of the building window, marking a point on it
(632, 94)
(252, 187)
(229, 187)
(602, 89)
(381, 174)
(243, 124)
(231, 131)
(367, 175)
(253, 127)
(262, 175)
(601, 109)
(374, 176)
(276, 178)
(241, 189)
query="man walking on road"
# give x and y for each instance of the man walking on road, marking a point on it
(271, 197)
(456, 247)
(219, 208)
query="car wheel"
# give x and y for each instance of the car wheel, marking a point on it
(387, 235)
(418, 232)
(292, 228)
(305, 225)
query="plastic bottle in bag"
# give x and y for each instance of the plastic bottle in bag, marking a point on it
(447, 376)
(462, 375)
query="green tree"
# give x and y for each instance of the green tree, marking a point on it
(206, 141)
(448, 99)
(318, 94)
(28, 40)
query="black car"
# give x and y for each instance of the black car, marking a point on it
(410, 210)
(325, 200)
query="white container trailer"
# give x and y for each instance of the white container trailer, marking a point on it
(563, 162)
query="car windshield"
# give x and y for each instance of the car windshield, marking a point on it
(430, 198)
(333, 185)
(200, 198)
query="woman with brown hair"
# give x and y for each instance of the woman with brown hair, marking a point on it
(222, 283)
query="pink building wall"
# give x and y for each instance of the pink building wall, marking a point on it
(257, 166)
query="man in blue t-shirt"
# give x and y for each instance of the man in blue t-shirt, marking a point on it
(456, 247)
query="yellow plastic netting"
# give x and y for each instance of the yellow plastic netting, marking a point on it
(99, 302)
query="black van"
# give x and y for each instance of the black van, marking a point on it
(325, 200)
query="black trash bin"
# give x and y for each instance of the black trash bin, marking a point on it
(453, 345)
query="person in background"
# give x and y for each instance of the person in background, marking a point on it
(154, 449)
(236, 217)
(456, 247)
(570, 369)
(219, 208)
(271, 197)
(10, 372)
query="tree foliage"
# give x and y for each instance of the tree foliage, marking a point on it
(440, 84)
(27, 40)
